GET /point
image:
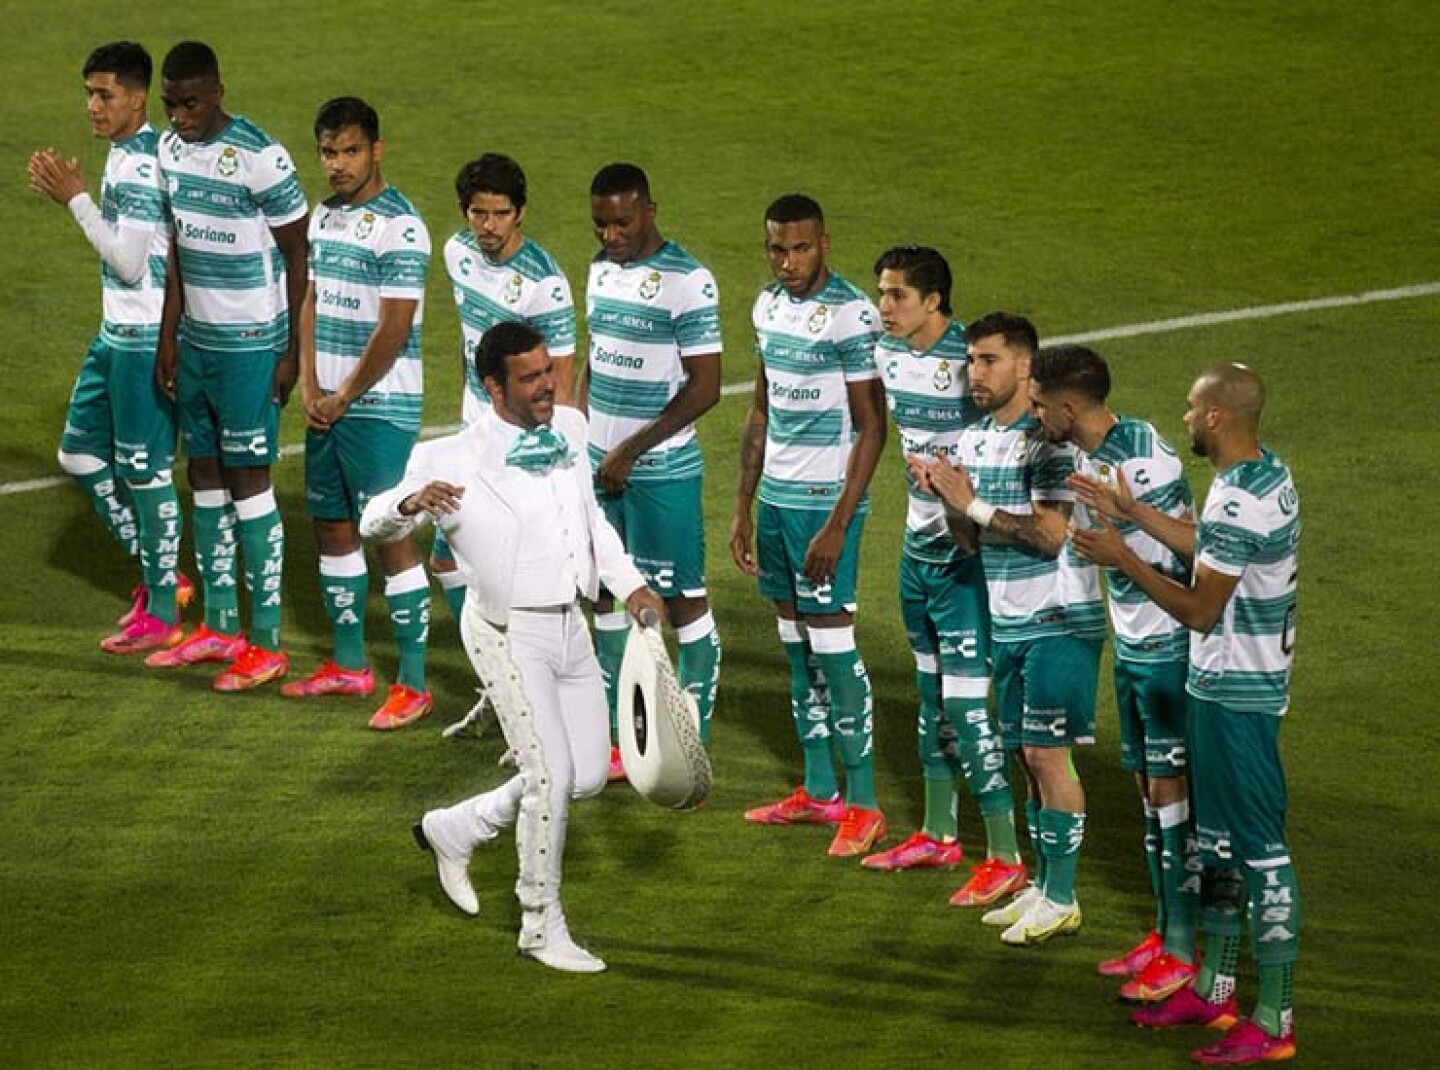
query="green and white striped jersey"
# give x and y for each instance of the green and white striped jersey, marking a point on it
(645, 319)
(1031, 595)
(811, 350)
(1250, 528)
(132, 196)
(225, 196)
(929, 399)
(1143, 631)
(359, 255)
(528, 286)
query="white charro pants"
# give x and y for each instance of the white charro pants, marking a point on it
(542, 676)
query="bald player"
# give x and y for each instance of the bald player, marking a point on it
(1240, 609)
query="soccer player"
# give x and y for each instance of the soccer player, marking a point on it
(120, 429)
(1240, 609)
(653, 317)
(1008, 493)
(498, 273)
(812, 438)
(921, 357)
(229, 351)
(361, 381)
(1069, 385)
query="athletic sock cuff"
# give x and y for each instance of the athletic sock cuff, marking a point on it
(343, 565)
(412, 579)
(833, 640)
(212, 499)
(697, 629)
(253, 508)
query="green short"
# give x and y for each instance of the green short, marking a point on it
(227, 407)
(783, 538)
(1045, 691)
(117, 412)
(352, 462)
(663, 528)
(946, 612)
(1237, 783)
(1151, 701)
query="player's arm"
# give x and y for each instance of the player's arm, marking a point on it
(1198, 607)
(397, 316)
(294, 248)
(309, 380)
(1044, 529)
(752, 463)
(167, 352)
(1117, 502)
(696, 397)
(866, 399)
(124, 248)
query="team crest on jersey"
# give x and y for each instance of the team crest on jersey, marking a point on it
(650, 288)
(366, 226)
(512, 289)
(816, 323)
(942, 379)
(229, 162)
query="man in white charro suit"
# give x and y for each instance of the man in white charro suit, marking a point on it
(514, 497)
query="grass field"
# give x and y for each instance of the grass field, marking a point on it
(199, 881)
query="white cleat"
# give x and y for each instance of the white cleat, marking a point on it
(452, 864)
(1013, 911)
(1044, 919)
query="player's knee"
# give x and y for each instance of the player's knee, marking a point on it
(79, 464)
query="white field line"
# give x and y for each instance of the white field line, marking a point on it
(1127, 330)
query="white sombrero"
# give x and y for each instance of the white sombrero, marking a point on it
(659, 727)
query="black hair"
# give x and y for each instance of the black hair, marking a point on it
(924, 269)
(507, 338)
(616, 178)
(1013, 327)
(127, 61)
(1072, 367)
(340, 112)
(189, 60)
(794, 208)
(491, 173)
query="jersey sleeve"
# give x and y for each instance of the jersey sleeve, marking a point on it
(552, 312)
(274, 186)
(139, 194)
(696, 315)
(856, 332)
(1051, 466)
(1229, 535)
(403, 253)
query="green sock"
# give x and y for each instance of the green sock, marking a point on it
(1032, 825)
(810, 710)
(407, 594)
(1061, 834)
(851, 710)
(1179, 880)
(215, 559)
(452, 588)
(157, 511)
(262, 544)
(1154, 853)
(983, 763)
(1222, 920)
(699, 668)
(938, 758)
(111, 499)
(941, 802)
(1275, 930)
(612, 631)
(344, 586)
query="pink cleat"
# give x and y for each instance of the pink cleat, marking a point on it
(1134, 960)
(920, 851)
(1244, 1044)
(1186, 1007)
(990, 880)
(1161, 978)
(860, 829)
(799, 808)
(403, 706)
(255, 666)
(143, 633)
(331, 679)
(201, 645)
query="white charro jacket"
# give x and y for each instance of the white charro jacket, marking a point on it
(485, 531)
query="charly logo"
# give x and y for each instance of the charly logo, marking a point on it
(816, 323)
(708, 290)
(650, 288)
(228, 164)
(943, 377)
(512, 289)
(366, 226)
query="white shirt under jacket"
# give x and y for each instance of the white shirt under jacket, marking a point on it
(522, 539)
